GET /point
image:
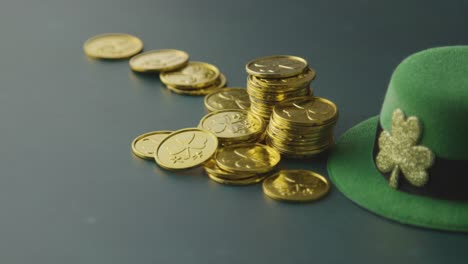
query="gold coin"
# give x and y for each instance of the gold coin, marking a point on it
(307, 110)
(233, 124)
(227, 98)
(144, 146)
(220, 83)
(280, 66)
(213, 169)
(193, 75)
(186, 148)
(254, 158)
(112, 46)
(283, 84)
(246, 181)
(296, 186)
(159, 60)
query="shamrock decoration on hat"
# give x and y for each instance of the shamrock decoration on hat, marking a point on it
(398, 151)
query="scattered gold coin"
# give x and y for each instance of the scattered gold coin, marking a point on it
(159, 60)
(280, 66)
(144, 146)
(255, 158)
(186, 148)
(112, 46)
(227, 98)
(193, 76)
(296, 186)
(234, 126)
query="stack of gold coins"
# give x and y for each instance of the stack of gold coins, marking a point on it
(302, 126)
(242, 164)
(196, 78)
(227, 98)
(234, 126)
(274, 79)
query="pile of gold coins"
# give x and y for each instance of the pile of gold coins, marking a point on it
(228, 141)
(242, 164)
(176, 71)
(302, 126)
(274, 79)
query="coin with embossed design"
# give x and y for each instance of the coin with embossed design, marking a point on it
(219, 83)
(159, 60)
(227, 98)
(144, 146)
(279, 66)
(233, 125)
(112, 46)
(255, 158)
(193, 76)
(306, 110)
(296, 186)
(186, 148)
(212, 168)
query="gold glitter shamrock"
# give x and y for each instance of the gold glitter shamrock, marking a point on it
(399, 152)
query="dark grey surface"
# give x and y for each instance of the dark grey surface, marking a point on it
(71, 191)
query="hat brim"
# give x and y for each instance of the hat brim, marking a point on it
(352, 170)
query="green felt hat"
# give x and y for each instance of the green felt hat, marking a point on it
(410, 163)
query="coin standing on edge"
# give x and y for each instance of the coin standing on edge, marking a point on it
(279, 66)
(159, 60)
(296, 186)
(144, 146)
(112, 46)
(186, 148)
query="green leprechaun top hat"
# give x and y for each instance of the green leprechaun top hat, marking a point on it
(410, 164)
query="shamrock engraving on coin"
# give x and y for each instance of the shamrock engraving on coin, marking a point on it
(186, 148)
(307, 110)
(144, 146)
(233, 123)
(159, 60)
(296, 185)
(112, 46)
(227, 98)
(194, 75)
(247, 158)
(280, 66)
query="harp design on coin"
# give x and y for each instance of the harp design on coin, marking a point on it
(187, 147)
(250, 161)
(311, 111)
(236, 124)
